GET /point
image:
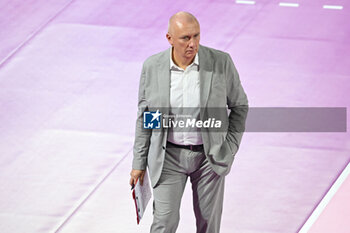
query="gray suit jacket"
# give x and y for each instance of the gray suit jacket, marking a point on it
(220, 87)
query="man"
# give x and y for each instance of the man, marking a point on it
(194, 76)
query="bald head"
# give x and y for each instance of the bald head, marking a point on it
(183, 35)
(179, 19)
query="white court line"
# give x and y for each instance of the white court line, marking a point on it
(245, 2)
(326, 199)
(289, 4)
(333, 7)
(33, 34)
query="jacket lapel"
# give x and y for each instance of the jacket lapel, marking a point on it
(205, 76)
(164, 81)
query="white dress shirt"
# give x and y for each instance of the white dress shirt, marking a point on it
(185, 100)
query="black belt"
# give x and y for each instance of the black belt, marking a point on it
(188, 147)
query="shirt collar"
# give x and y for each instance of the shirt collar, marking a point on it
(173, 65)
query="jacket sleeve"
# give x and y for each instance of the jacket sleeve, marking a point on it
(237, 102)
(142, 136)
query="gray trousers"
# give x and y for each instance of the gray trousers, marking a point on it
(207, 191)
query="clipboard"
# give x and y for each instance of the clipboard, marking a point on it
(141, 195)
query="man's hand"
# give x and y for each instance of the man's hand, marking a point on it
(135, 175)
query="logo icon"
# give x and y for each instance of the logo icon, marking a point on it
(151, 120)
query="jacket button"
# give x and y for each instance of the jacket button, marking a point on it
(163, 147)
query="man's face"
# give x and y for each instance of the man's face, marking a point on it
(185, 39)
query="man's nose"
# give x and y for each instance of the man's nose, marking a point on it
(191, 44)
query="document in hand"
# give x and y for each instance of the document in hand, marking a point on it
(141, 195)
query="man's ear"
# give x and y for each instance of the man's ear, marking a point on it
(169, 38)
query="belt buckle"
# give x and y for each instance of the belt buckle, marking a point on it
(191, 147)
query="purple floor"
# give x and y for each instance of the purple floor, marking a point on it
(69, 73)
